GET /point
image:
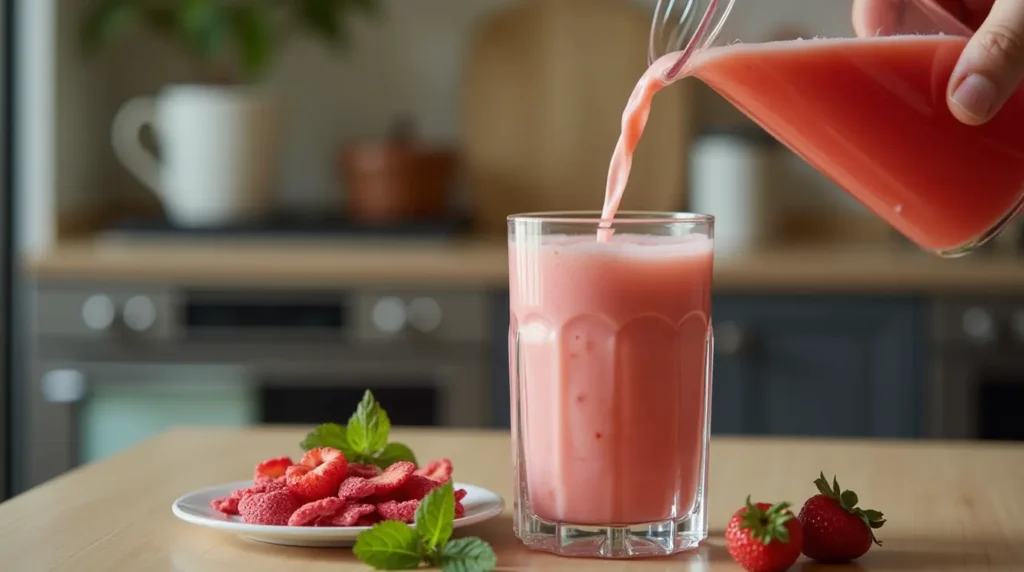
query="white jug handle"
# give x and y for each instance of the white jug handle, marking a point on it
(128, 123)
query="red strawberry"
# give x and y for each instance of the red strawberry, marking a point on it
(392, 478)
(835, 530)
(272, 468)
(318, 475)
(439, 470)
(764, 537)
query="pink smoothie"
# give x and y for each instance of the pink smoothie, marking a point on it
(612, 341)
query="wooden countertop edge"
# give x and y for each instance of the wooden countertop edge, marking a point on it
(484, 263)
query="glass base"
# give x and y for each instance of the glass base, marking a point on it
(647, 540)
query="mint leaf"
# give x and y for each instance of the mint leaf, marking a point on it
(434, 518)
(389, 545)
(468, 555)
(327, 435)
(368, 427)
(393, 453)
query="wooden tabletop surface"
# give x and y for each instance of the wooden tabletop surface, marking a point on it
(949, 506)
(860, 268)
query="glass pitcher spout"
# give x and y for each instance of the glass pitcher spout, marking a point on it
(684, 26)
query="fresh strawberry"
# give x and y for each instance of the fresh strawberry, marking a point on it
(764, 537)
(272, 468)
(835, 530)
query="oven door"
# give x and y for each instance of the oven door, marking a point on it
(95, 404)
(978, 395)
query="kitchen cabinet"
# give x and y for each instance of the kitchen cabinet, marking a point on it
(818, 366)
(837, 366)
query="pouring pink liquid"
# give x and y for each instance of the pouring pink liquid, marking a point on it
(871, 114)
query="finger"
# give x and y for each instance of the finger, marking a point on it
(991, 66)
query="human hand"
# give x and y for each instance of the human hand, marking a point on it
(991, 66)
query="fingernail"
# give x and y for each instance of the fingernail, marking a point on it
(976, 95)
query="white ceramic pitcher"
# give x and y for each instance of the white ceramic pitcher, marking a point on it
(218, 148)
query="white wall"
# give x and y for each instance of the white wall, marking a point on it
(410, 65)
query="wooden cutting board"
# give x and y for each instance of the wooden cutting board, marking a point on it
(546, 84)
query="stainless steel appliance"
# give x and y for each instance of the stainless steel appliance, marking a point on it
(115, 364)
(978, 388)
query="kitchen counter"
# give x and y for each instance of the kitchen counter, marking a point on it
(949, 506)
(845, 268)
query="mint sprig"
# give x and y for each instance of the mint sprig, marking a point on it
(364, 439)
(385, 547)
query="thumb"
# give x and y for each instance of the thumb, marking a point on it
(991, 66)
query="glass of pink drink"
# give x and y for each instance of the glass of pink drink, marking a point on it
(610, 370)
(865, 103)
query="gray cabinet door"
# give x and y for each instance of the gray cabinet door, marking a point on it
(817, 366)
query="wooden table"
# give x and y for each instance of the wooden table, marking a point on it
(950, 506)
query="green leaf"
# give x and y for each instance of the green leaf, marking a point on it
(160, 18)
(392, 453)
(368, 427)
(252, 29)
(434, 518)
(822, 485)
(327, 435)
(204, 26)
(468, 555)
(389, 545)
(848, 499)
(108, 19)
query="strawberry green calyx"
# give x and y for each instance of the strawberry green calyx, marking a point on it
(848, 501)
(769, 525)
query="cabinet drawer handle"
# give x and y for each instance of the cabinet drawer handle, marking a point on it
(730, 339)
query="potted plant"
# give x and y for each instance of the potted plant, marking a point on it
(218, 137)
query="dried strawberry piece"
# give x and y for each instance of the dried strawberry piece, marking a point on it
(404, 511)
(460, 494)
(226, 505)
(273, 468)
(356, 488)
(261, 486)
(365, 471)
(369, 520)
(319, 474)
(273, 508)
(350, 515)
(416, 488)
(393, 477)
(439, 470)
(460, 510)
(309, 513)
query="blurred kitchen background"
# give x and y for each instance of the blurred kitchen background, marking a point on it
(199, 241)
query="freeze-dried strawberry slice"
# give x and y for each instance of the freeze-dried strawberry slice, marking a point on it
(273, 468)
(365, 471)
(260, 486)
(309, 513)
(460, 511)
(416, 488)
(318, 475)
(354, 488)
(439, 470)
(393, 477)
(404, 511)
(226, 505)
(460, 494)
(350, 515)
(369, 520)
(274, 508)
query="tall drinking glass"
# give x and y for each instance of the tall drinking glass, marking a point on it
(610, 369)
(865, 102)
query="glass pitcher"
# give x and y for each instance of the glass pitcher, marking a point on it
(866, 105)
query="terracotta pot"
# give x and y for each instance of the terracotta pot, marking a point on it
(397, 181)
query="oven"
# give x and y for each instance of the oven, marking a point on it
(115, 365)
(978, 353)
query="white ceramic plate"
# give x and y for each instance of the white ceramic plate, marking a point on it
(480, 503)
